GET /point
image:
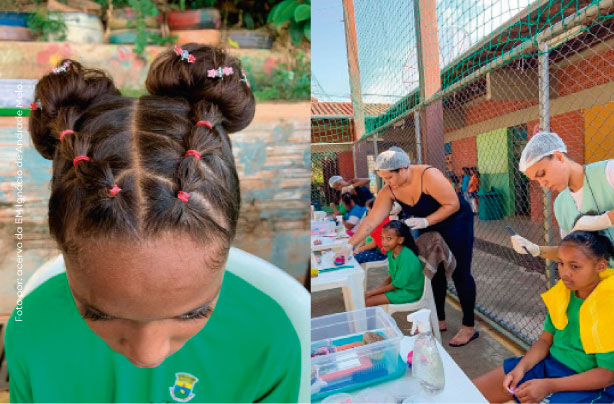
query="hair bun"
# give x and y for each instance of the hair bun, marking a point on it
(173, 75)
(65, 93)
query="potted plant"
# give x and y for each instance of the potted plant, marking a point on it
(133, 21)
(245, 23)
(14, 25)
(195, 21)
(81, 19)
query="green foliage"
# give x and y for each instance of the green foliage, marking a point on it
(284, 83)
(143, 9)
(43, 23)
(193, 4)
(296, 15)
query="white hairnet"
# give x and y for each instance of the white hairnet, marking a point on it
(541, 145)
(334, 179)
(392, 159)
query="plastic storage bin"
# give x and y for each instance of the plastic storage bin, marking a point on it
(341, 362)
(490, 205)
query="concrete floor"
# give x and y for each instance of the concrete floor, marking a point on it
(476, 358)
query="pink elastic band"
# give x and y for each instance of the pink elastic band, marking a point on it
(115, 190)
(78, 159)
(66, 132)
(183, 196)
(192, 153)
(204, 123)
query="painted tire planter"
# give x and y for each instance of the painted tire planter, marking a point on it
(205, 36)
(13, 19)
(124, 36)
(126, 18)
(245, 39)
(81, 28)
(194, 19)
(12, 33)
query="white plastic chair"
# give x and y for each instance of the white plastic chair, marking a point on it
(427, 301)
(268, 278)
(373, 265)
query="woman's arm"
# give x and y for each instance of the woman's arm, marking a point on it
(380, 211)
(335, 210)
(549, 252)
(358, 182)
(438, 186)
(369, 246)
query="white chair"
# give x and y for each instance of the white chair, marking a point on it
(427, 301)
(284, 289)
(290, 295)
(373, 265)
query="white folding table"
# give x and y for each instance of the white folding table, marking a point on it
(350, 280)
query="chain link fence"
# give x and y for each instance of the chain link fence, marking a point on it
(506, 70)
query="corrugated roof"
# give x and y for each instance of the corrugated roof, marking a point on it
(344, 109)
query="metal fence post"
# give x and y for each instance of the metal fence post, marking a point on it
(378, 180)
(354, 158)
(544, 124)
(418, 138)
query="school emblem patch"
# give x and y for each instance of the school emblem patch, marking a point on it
(184, 385)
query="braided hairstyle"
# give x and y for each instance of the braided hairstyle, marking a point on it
(133, 168)
(595, 245)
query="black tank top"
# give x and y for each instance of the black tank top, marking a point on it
(426, 205)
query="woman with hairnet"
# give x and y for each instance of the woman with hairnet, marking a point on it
(586, 193)
(355, 186)
(431, 203)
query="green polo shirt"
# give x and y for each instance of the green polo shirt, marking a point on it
(407, 275)
(567, 345)
(247, 352)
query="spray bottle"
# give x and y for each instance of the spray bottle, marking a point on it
(427, 366)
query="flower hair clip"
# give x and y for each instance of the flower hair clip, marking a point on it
(36, 105)
(244, 78)
(185, 55)
(63, 68)
(219, 72)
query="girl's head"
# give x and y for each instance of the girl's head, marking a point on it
(544, 159)
(349, 200)
(144, 194)
(396, 233)
(582, 256)
(393, 166)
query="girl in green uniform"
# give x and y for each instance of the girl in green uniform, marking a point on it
(144, 206)
(406, 281)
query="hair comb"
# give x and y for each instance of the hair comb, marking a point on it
(63, 68)
(219, 72)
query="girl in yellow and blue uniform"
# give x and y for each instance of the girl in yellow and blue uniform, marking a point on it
(573, 359)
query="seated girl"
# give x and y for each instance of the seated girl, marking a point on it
(406, 281)
(573, 359)
(372, 250)
(355, 212)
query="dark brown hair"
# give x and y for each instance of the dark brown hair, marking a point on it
(140, 145)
